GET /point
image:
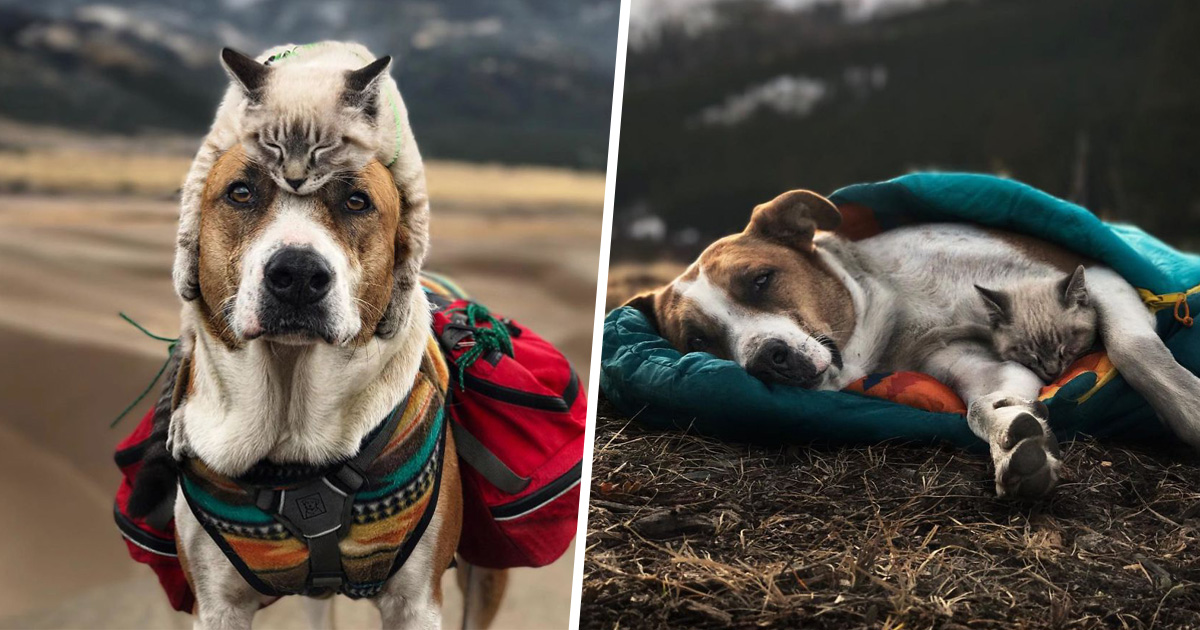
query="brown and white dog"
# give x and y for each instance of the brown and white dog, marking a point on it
(287, 363)
(794, 303)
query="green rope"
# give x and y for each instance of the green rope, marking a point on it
(495, 337)
(170, 352)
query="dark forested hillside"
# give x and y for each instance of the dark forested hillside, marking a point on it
(1096, 100)
(492, 80)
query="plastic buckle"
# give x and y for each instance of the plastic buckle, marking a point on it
(265, 500)
(331, 581)
(349, 478)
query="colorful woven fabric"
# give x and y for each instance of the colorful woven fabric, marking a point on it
(388, 514)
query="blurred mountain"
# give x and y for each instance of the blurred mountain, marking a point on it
(648, 19)
(1093, 100)
(497, 80)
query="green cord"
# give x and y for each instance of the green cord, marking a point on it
(486, 339)
(170, 353)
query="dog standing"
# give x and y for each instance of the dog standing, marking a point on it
(284, 363)
(794, 303)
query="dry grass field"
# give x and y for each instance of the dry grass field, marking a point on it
(49, 161)
(87, 229)
(692, 532)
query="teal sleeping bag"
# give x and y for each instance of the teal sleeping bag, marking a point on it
(647, 379)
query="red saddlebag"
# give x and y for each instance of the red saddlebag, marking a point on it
(151, 540)
(517, 411)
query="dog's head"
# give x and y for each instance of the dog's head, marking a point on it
(764, 297)
(297, 269)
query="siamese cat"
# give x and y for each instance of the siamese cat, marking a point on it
(1045, 325)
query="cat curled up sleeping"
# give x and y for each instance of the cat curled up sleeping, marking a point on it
(1045, 325)
(307, 114)
(303, 133)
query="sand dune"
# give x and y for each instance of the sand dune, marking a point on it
(68, 264)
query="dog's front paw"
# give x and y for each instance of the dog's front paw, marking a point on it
(1024, 450)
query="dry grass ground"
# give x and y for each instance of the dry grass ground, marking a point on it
(696, 533)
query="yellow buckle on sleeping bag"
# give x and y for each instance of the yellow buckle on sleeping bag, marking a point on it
(1178, 301)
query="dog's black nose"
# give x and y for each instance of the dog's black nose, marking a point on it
(776, 362)
(295, 183)
(298, 276)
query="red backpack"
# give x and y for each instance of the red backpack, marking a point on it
(149, 543)
(517, 412)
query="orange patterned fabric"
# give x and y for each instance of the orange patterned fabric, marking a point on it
(910, 388)
(925, 392)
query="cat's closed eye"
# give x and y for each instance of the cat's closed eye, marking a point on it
(275, 149)
(319, 152)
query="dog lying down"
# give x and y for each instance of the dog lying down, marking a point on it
(793, 303)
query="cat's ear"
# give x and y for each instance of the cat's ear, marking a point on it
(997, 305)
(244, 70)
(1073, 289)
(362, 86)
(367, 77)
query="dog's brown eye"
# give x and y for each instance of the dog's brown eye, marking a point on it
(240, 194)
(762, 280)
(697, 343)
(358, 202)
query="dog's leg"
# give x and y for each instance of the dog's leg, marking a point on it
(411, 600)
(413, 596)
(1003, 410)
(319, 612)
(224, 601)
(1127, 329)
(482, 590)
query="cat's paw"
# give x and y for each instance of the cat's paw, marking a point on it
(186, 273)
(1024, 450)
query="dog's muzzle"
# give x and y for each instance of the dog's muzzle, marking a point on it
(776, 362)
(296, 281)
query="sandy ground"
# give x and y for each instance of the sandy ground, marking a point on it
(68, 264)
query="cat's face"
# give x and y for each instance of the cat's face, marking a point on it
(1044, 325)
(302, 153)
(309, 125)
(1050, 345)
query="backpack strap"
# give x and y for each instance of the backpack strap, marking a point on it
(472, 451)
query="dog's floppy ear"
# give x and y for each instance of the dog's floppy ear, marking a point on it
(412, 236)
(793, 218)
(245, 71)
(645, 302)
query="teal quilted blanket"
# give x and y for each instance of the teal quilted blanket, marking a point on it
(647, 379)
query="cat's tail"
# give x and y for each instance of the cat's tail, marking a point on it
(156, 480)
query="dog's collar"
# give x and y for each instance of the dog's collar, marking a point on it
(345, 527)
